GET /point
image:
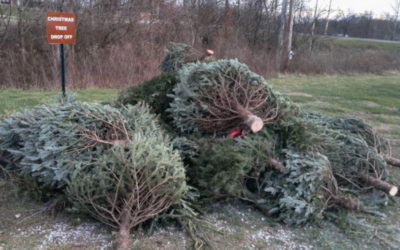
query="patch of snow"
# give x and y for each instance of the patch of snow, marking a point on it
(59, 234)
(268, 236)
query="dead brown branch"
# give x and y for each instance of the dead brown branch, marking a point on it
(347, 202)
(115, 132)
(12, 174)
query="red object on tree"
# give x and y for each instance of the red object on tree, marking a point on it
(234, 133)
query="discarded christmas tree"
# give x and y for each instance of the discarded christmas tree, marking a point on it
(116, 164)
(222, 95)
(131, 183)
(179, 54)
(50, 140)
(154, 92)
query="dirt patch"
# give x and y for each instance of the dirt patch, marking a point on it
(367, 116)
(383, 128)
(299, 94)
(240, 228)
(395, 146)
(387, 116)
(318, 103)
(372, 104)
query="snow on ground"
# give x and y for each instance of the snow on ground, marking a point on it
(252, 232)
(61, 234)
(249, 226)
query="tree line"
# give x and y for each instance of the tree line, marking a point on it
(122, 41)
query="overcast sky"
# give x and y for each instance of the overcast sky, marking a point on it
(360, 6)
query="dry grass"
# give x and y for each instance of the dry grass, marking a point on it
(125, 53)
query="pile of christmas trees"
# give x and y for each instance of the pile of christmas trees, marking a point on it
(211, 123)
(245, 141)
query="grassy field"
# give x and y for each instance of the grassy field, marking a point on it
(357, 45)
(25, 225)
(13, 100)
(371, 97)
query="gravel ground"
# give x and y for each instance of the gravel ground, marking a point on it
(244, 227)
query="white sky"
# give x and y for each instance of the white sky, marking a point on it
(358, 6)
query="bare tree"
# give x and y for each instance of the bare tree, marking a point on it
(227, 17)
(367, 18)
(327, 17)
(91, 23)
(5, 22)
(396, 9)
(290, 31)
(345, 20)
(21, 22)
(191, 14)
(313, 25)
(280, 36)
(258, 23)
(28, 20)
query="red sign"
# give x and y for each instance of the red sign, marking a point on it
(60, 27)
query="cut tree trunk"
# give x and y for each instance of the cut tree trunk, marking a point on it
(347, 202)
(380, 185)
(277, 165)
(253, 121)
(208, 53)
(392, 161)
(263, 208)
(260, 206)
(123, 240)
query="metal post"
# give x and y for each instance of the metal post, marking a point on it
(62, 69)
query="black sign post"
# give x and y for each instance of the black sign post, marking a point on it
(62, 69)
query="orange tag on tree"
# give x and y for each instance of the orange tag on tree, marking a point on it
(60, 27)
